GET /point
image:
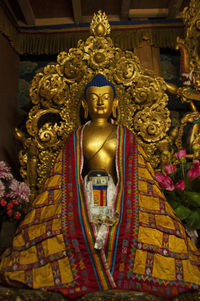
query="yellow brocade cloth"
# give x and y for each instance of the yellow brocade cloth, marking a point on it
(147, 249)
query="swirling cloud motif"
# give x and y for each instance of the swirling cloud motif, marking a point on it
(73, 70)
(152, 123)
(49, 132)
(49, 88)
(147, 92)
(126, 71)
(71, 65)
(53, 89)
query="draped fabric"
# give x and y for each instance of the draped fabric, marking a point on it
(146, 249)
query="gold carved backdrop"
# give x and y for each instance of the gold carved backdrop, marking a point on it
(57, 92)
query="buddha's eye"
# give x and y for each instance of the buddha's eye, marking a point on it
(106, 97)
(92, 97)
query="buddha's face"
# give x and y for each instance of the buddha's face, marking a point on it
(99, 101)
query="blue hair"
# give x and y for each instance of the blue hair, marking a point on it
(99, 81)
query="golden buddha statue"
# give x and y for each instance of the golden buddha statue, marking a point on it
(99, 139)
(82, 235)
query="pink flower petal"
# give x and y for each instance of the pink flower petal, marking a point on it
(165, 181)
(19, 190)
(180, 154)
(194, 172)
(169, 169)
(2, 189)
(180, 185)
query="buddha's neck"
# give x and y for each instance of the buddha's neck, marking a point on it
(100, 122)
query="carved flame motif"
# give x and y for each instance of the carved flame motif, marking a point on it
(100, 26)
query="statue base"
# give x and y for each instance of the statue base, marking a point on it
(10, 294)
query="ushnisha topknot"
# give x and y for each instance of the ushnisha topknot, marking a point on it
(99, 80)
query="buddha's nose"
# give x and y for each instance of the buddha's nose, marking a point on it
(100, 101)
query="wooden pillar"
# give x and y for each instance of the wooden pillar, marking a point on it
(9, 62)
(149, 57)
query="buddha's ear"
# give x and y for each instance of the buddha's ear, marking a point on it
(114, 107)
(85, 108)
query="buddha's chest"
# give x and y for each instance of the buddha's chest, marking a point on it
(99, 144)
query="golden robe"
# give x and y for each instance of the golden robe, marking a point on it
(147, 249)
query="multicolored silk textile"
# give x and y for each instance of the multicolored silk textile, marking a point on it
(147, 249)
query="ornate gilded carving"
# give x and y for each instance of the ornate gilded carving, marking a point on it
(57, 92)
(190, 74)
(151, 123)
(191, 42)
(127, 69)
(98, 52)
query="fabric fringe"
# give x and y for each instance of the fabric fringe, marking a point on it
(51, 41)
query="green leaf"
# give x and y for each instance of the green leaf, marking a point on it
(193, 220)
(173, 204)
(174, 197)
(182, 212)
(195, 185)
(193, 198)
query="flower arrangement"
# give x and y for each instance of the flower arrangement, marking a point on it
(14, 195)
(181, 185)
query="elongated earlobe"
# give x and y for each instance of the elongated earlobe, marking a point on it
(114, 111)
(114, 108)
(85, 108)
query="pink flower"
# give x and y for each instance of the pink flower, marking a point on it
(180, 154)
(6, 175)
(9, 206)
(169, 168)
(10, 212)
(165, 181)
(19, 190)
(15, 202)
(24, 192)
(180, 185)
(14, 188)
(5, 171)
(3, 203)
(17, 215)
(194, 172)
(2, 189)
(4, 167)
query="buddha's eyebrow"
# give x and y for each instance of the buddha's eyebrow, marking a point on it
(91, 93)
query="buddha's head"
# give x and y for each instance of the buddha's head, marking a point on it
(100, 98)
